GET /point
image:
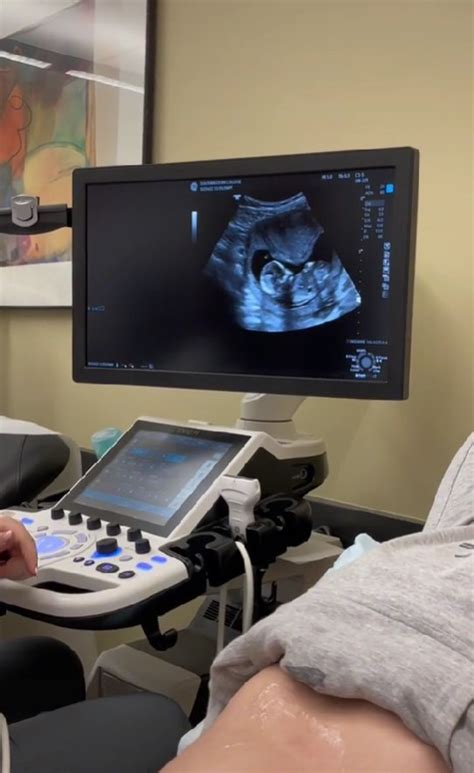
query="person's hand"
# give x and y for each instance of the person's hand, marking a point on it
(18, 557)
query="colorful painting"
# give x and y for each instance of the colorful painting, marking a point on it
(46, 131)
(72, 94)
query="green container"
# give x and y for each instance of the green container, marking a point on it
(104, 439)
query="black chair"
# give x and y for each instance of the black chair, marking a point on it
(28, 465)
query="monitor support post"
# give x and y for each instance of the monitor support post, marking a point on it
(272, 414)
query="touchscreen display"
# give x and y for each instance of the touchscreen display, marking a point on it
(158, 473)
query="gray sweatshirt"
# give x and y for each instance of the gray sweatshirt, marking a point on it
(395, 627)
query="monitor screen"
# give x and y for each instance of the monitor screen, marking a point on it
(289, 275)
(155, 474)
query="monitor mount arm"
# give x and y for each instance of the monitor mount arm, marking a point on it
(26, 216)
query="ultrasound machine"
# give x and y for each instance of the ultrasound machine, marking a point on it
(283, 277)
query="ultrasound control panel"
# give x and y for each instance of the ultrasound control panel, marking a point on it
(91, 573)
(88, 567)
(102, 555)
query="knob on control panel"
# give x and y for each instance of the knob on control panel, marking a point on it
(93, 524)
(133, 535)
(106, 546)
(113, 529)
(142, 546)
(74, 518)
(57, 513)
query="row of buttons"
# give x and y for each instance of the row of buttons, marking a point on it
(109, 545)
(112, 529)
(93, 523)
(90, 561)
(109, 568)
(52, 545)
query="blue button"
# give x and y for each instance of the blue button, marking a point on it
(107, 568)
(27, 521)
(89, 562)
(159, 559)
(389, 188)
(144, 566)
(47, 543)
(78, 559)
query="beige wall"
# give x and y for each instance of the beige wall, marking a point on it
(283, 76)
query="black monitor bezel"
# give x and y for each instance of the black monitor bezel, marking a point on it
(70, 502)
(405, 161)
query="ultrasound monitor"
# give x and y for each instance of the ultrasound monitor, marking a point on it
(287, 275)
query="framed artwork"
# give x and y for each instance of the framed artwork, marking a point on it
(76, 89)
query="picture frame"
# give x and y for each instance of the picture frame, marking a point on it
(76, 90)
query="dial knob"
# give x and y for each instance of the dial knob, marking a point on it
(106, 546)
(113, 529)
(57, 513)
(93, 524)
(74, 519)
(366, 361)
(142, 546)
(133, 535)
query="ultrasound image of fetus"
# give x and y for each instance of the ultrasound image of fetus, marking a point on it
(265, 262)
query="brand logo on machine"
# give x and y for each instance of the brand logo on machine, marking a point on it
(190, 431)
